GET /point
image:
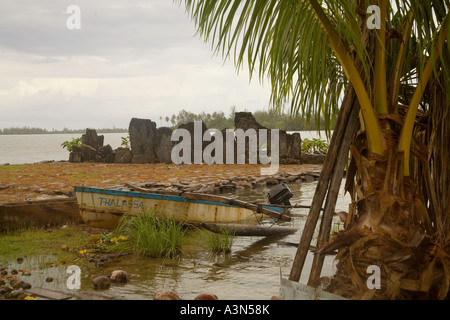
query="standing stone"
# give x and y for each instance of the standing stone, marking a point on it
(164, 145)
(246, 121)
(90, 138)
(142, 140)
(289, 144)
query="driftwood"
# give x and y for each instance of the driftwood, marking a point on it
(249, 230)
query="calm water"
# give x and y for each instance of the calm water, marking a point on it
(31, 148)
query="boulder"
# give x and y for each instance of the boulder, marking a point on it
(88, 153)
(313, 158)
(166, 295)
(105, 154)
(123, 155)
(119, 276)
(142, 140)
(101, 282)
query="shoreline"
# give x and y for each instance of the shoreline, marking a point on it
(51, 180)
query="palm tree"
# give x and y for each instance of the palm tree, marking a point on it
(382, 69)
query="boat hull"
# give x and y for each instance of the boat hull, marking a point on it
(103, 208)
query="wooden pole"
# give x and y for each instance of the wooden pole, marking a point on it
(333, 192)
(322, 185)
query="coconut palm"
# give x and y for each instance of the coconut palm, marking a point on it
(385, 64)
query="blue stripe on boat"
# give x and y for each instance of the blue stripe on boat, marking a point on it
(159, 197)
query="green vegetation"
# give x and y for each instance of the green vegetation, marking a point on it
(269, 119)
(219, 242)
(152, 236)
(70, 144)
(314, 145)
(63, 243)
(125, 141)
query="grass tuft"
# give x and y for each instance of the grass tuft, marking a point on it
(151, 235)
(219, 242)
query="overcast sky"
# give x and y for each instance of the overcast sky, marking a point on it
(131, 58)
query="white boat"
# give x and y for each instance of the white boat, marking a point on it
(103, 208)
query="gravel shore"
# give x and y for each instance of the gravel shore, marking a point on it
(57, 179)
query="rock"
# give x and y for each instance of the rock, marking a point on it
(119, 276)
(26, 285)
(75, 157)
(88, 153)
(14, 283)
(90, 138)
(272, 182)
(166, 295)
(206, 296)
(105, 154)
(308, 178)
(312, 158)
(193, 187)
(206, 189)
(101, 282)
(142, 140)
(123, 155)
(164, 145)
(289, 144)
(16, 293)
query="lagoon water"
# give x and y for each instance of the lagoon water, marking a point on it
(31, 148)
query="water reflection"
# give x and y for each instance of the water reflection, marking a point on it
(251, 271)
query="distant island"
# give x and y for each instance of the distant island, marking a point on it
(216, 120)
(32, 130)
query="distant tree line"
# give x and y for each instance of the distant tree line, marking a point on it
(218, 120)
(33, 130)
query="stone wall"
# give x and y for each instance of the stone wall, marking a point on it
(150, 144)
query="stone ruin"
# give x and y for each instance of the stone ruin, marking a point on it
(150, 144)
